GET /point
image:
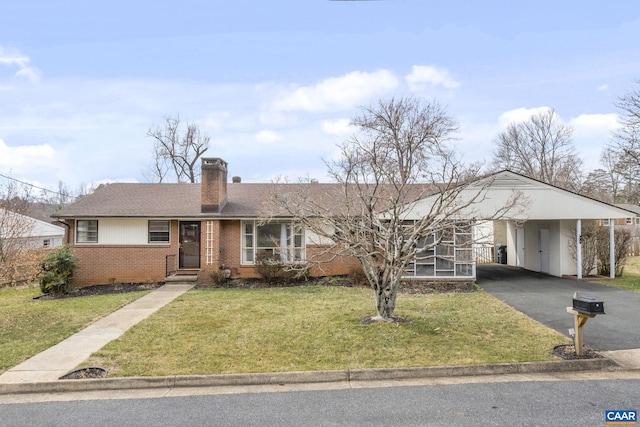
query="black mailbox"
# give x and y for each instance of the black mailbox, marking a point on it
(588, 305)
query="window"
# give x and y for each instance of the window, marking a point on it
(637, 221)
(445, 253)
(46, 243)
(605, 222)
(158, 231)
(282, 239)
(629, 221)
(87, 231)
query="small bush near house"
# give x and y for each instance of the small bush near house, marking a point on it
(56, 271)
(274, 270)
(357, 277)
(622, 240)
(218, 277)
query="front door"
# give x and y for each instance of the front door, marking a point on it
(189, 256)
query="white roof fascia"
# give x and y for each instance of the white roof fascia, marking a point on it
(487, 198)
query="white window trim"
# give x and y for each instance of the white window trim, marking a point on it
(163, 242)
(254, 241)
(88, 242)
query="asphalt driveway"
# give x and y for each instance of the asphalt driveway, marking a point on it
(546, 298)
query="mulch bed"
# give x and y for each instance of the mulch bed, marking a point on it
(115, 288)
(85, 373)
(568, 352)
(407, 288)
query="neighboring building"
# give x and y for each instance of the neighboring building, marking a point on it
(630, 223)
(29, 232)
(144, 232)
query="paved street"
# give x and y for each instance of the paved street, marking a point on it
(541, 403)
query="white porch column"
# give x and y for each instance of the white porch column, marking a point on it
(612, 250)
(579, 247)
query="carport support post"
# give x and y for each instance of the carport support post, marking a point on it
(579, 247)
(612, 250)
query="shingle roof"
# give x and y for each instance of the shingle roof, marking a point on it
(176, 200)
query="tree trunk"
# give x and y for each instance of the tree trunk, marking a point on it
(385, 302)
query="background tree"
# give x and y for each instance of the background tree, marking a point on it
(16, 260)
(626, 144)
(176, 153)
(397, 157)
(540, 148)
(606, 183)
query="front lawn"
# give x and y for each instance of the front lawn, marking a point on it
(630, 279)
(211, 331)
(29, 326)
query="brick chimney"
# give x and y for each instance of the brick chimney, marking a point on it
(214, 185)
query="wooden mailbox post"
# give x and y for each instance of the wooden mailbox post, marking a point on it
(584, 308)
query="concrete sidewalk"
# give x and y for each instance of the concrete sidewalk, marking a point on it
(63, 357)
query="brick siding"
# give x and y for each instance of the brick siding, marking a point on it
(104, 264)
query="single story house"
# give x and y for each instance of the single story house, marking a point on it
(28, 232)
(132, 232)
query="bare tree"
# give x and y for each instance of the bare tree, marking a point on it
(398, 159)
(15, 230)
(540, 148)
(177, 154)
(626, 144)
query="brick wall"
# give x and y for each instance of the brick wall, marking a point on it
(230, 255)
(103, 264)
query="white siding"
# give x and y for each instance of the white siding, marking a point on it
(123, 231)
(536, 201)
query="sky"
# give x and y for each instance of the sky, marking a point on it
(275, 83)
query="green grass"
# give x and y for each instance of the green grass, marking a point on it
(29, 326)
(630, 279)
(209, 331)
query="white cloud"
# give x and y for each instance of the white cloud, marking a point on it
(268, 136)
(519, 115)
(428, 75)
(13, 58)
(602, 87)
(26, 157)
(338, 92)
(337, 127)
(595, 124)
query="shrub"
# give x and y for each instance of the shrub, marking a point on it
(272, 269)
(219, 277)
(622, 239)
(357, 277)
(56, 271)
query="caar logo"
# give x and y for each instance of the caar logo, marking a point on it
(618, 417)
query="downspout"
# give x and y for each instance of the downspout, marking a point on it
(68, 227)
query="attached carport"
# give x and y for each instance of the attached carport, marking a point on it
(542, 222)
(544, 298)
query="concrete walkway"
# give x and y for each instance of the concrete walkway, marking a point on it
(63, 357)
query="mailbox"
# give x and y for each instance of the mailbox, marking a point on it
(588, 305)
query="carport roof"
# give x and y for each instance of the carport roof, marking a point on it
(536, 201)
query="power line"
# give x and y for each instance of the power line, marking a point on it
(34, 186)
